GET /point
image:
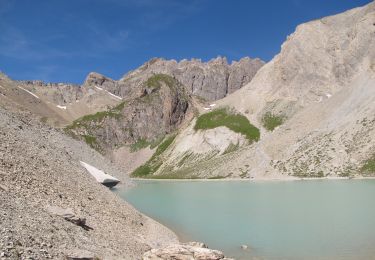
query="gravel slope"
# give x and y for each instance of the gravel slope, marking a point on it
(39, 169)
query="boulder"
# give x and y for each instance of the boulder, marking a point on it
(186, 251)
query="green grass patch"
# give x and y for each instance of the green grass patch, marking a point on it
(92, 142)
(156, 80)
(231, 148)
(152, 165)
(114, 112)
(142, 170)
(143, 143)
(140, 144)
(155, 83)
(271, 121)
(164, 145)
(156, 142)
(224, 117)
(369, 166)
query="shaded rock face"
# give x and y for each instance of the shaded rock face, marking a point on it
(159, 110)
(210, 80)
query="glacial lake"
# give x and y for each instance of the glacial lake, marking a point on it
(314, 219)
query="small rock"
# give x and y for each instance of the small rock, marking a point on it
(4, 188)
(79, 254)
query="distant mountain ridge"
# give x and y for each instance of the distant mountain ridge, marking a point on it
(144, 105)
(210, 80)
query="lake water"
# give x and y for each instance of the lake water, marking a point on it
(317, 219)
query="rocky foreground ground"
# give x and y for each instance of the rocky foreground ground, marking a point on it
(51, 208)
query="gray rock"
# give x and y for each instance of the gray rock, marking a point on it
(4, 188)
(68, 215)
(80, 254)
(183, 252)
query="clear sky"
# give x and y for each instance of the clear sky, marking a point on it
(64, 40)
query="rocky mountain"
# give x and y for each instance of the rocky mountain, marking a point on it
(139, 109)
(310, 112)
(314, 105)
(60, 104)
(210, 80)
(161, 108)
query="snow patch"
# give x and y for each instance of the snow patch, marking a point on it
(207, 108)
(212, 105)
(113, 95)
(62, 107)
(31, 93)
(99, 175)
(98, 88)
(328, 95)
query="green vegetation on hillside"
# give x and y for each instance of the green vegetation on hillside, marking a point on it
(271, 121)
(224, 117)
(155, 161)
(143, 143)
(86, 123)
(164, 145)
(155, 81)
(369, 166)
(114, 112)
(231, 148)
(92, 142)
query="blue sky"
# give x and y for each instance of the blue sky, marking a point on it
(64, 40)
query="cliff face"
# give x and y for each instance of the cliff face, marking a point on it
(210, 80)
(58, 93)
(159, 110)
(314, 104)
(67, 102)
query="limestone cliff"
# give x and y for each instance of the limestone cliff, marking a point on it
(314, 104)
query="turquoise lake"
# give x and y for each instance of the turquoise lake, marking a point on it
(315, 219)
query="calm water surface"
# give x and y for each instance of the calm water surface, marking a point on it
(322, 219)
